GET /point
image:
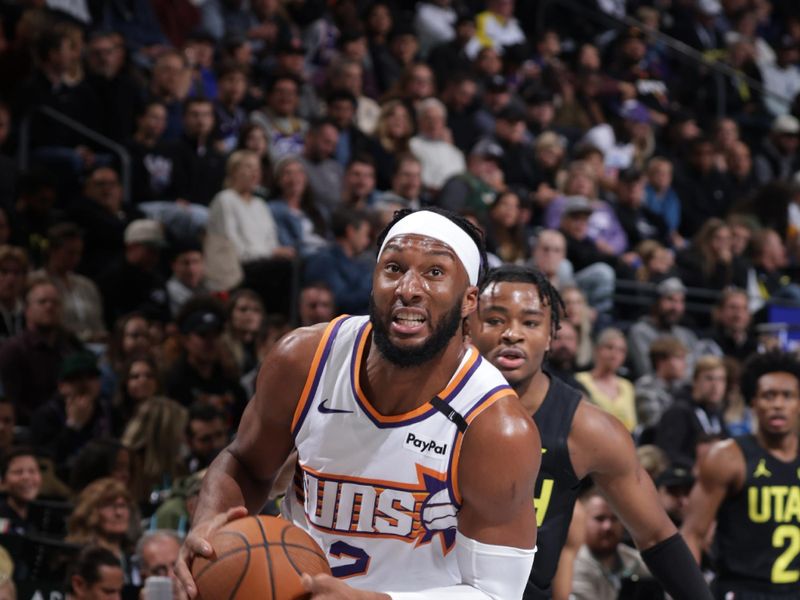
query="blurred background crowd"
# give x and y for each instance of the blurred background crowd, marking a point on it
(184, 181)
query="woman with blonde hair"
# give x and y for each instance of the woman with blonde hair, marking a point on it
(105, 515)
(155, 438)
(609, 391)
(393, 132)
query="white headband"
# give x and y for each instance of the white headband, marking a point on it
(438, 227)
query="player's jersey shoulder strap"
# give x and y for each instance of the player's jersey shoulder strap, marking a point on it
(321, 356)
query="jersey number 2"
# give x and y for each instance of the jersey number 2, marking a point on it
(360, 565)
(780, 570)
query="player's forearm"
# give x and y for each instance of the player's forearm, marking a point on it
(228, 484)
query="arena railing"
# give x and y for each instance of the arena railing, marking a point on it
(677, 48)
(90, 134)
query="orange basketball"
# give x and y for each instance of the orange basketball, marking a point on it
(258, 557)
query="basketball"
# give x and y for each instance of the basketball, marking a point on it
(258, 557)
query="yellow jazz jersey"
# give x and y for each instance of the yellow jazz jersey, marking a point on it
(380, 494)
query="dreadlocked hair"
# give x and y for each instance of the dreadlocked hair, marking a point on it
(759, 365)
(548, 294)
(475, 234)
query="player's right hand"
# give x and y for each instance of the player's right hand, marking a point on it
(197, 544)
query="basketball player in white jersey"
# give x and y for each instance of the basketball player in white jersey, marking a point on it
(406, 437)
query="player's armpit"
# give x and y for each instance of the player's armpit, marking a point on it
(500, 458)
(721, 471)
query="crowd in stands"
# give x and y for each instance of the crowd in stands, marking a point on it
(184, 181)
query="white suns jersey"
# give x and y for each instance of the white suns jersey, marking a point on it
(380, 494)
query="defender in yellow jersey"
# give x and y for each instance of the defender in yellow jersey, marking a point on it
(751, 485)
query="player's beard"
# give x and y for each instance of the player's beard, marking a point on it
(443, 332)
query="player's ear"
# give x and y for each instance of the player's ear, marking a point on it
(470, 302)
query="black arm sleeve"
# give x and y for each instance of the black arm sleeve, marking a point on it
(671, 562)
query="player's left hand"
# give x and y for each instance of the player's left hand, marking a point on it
(325, 587)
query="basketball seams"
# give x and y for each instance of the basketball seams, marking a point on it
(289, 556)
(244, 571)
(219, 557)
(269, 557)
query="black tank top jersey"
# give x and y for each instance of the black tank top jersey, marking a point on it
(557, 487)
(758, 529)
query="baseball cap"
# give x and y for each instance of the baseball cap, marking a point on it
(144, 231)
(671, 285)
(78, 364)
(487, 149)
(786, 124)
(675, 476)
(202, 322)
(578, 204)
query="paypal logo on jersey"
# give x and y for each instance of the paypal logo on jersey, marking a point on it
(423, 445)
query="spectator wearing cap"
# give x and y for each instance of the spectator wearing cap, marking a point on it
(103, 218)
(639, 222)
(476, 188)
(496, 27)
(80, 298)
(686, 424)
(496, 96)
(594, 269)
(339, 265)
(280, 119)
(440, 159)
(657, 391)
(204, 372)
(323, 171)
(702, 188)
(674, 486)
(778, 159)
(229, 114)
(22, 482)
(135, 282)
(664, 318)
(518, 158)
(782, 77)
(30, 361)
(13, 272)
(639, 70)
(188, 275)
(77, 414)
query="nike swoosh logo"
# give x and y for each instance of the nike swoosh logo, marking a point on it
(331, 411)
